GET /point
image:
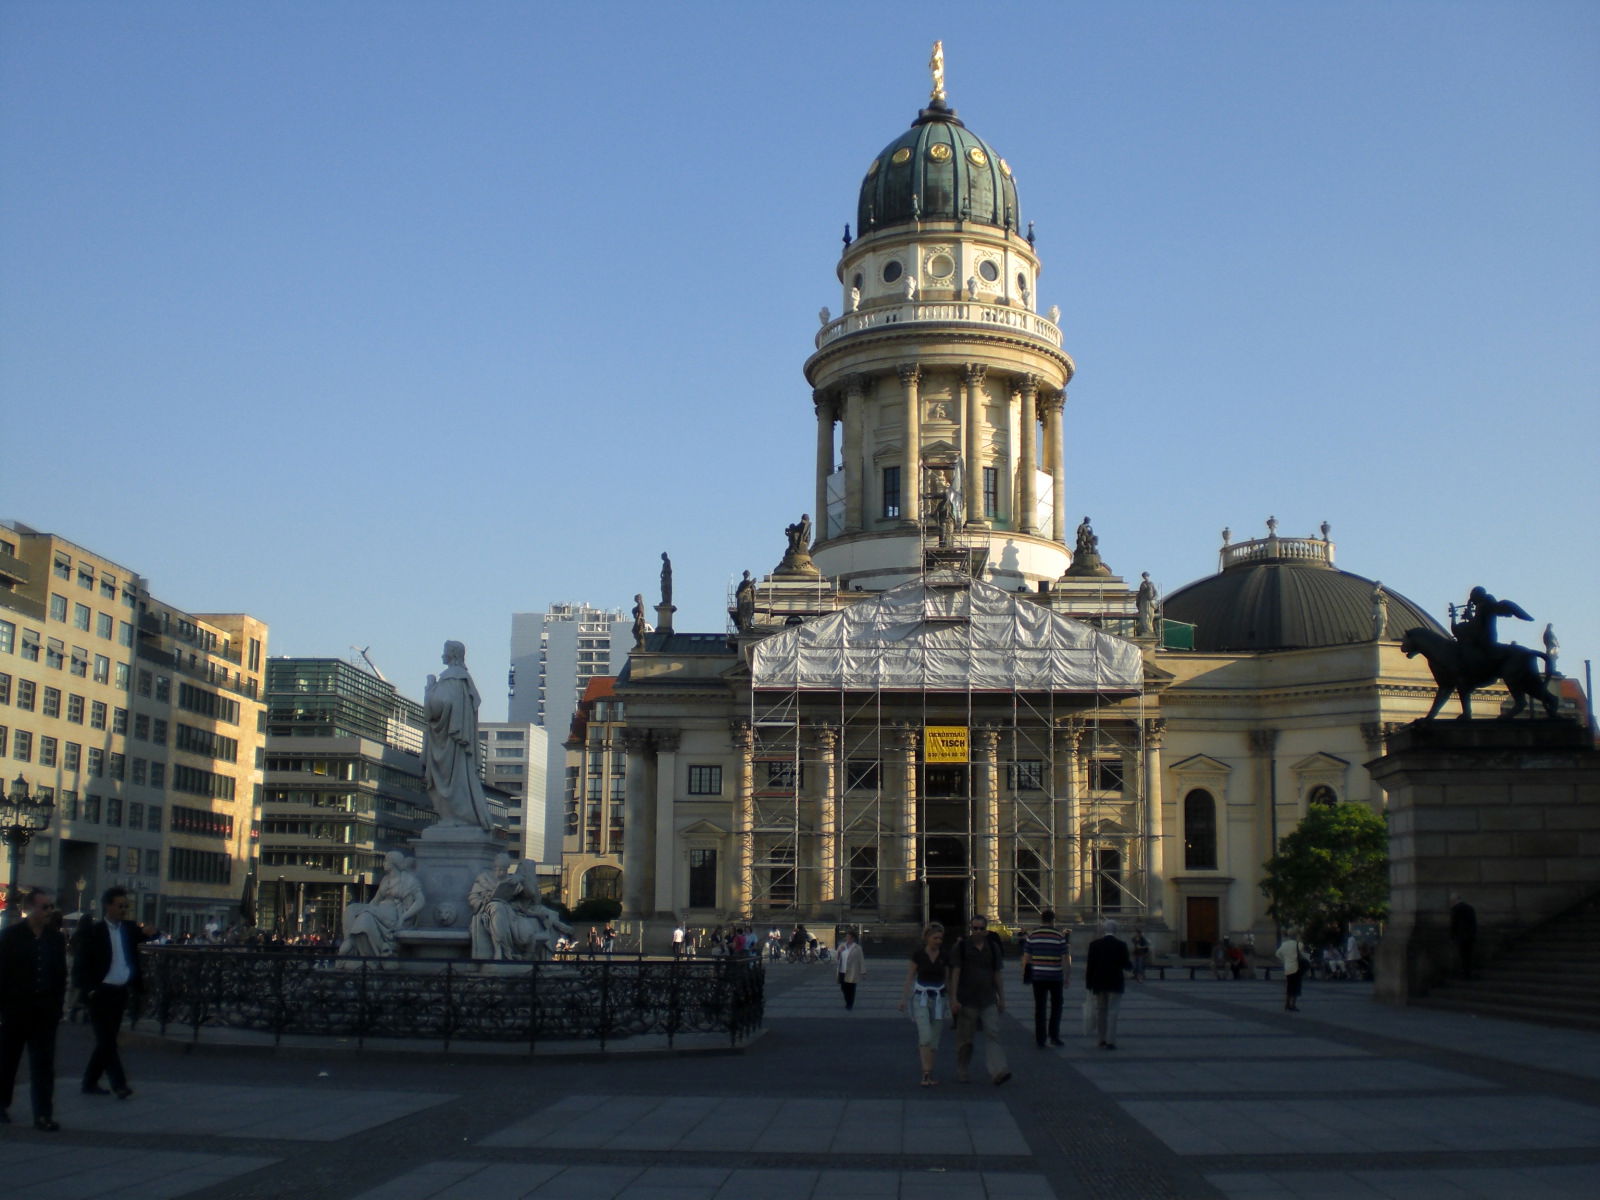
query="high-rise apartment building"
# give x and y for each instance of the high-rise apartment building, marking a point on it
(343, 787)
(141, 722)
(554, 654)
(515, 759)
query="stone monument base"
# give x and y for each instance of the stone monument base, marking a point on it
(449, 858)
(1505, 813)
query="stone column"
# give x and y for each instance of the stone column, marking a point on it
(1155, 841)
(974, 443)
(1263, 747)
(986, 789)
(1065, 779)
(905, 744)
(829, 825)
(638, 832)
(827, 413)
(744, 742)
(666, 839)
(1052, 407)
(857, 479)
(1028, 388)
(911, 469)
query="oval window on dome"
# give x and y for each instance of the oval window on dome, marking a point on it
(891, 271)
(941, 266)
(873, 169)
(978, 157)
(939, 152)
(988, 270)
(1022, 283)
(1005, 168)
(902, 155)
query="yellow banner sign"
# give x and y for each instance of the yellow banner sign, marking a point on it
(944, 743)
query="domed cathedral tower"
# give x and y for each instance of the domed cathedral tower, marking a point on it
(932, 388)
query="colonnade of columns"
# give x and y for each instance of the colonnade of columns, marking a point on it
(846, 405)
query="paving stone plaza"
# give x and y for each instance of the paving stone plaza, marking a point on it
(1213, 1091)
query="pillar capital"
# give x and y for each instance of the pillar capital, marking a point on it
(855, 383)
(1026, 385)
(1052, 403)
(973, 373)
(1155, 729)
(742, 736)
(827, 737)
(636, 741)
(1263, 741)
(667, 740)
(910, 373)
(822, 399)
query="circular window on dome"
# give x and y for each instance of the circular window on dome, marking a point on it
(1005, 168)
(988, 270)
(978, 157)
(873, 169)
(891, 271)
(939, 152)
(941, 266)
(902, 155)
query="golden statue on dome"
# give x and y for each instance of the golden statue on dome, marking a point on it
(936, 65)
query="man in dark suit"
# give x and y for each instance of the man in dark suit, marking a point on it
(106, 970)
(33, 987)
(1102, 975)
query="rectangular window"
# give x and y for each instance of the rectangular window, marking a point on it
(75, 709)
(80, 617)
(22, 745)
(30, 644)
(152, 862)
(152, 820)
(158, 775)
(861, 773)
(5, 689)
(8, 637)
(55, 654)
(139, 765)
(86, 578)
(785, 775)
(158, 732)
(113, 810)
(891, 491)
(52, 702)
(113, 859)
(145, 681)
(80, 662)
(25, 694)
(705, 781)
(97, 715)
(69, 806)
(702, 879)
(1108, 774)
(135, 815)
(71, 756)
(97, 762)
(3, 738)
(124, 633)
(1025, 776)
(102, 669)
(122, 677)
(141, 726)
(91, 809)
(58, 607)
(131, 863)
(991, 492)
(103, 624)
(864, 877)
(119, 720)
(63, 567)
(117, 766)
(108, 586)
(47, 751)
(163, 689)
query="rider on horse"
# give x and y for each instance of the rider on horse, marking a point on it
(1476, 631)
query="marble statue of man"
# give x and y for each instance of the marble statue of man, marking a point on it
(1380, 611)
(483, 890)
(450, 745)
(1145, 605)
(520, 926)
(370, 929)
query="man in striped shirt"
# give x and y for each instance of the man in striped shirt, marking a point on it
(1047, 962)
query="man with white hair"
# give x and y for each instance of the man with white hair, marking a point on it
(1102, 975)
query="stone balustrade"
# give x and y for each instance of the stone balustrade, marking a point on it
(941, 312)
(1317, 550)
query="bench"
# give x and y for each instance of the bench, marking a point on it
(1263, 968)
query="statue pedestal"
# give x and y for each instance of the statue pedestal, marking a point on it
(434, 945)
(449, 858)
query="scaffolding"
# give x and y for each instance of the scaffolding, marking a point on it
(941, 748)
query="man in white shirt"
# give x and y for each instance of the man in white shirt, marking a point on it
(852, 967)
(678, 935)
(107, 971)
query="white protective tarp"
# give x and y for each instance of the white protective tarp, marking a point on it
(921, 635)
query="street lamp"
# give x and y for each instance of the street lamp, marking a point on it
(22, 815)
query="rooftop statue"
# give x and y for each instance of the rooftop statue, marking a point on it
(744, 604)
(797, 557)
(1145, 605)
(666, 580)
(1476, 657)
(640, 628)
(450, 743)
(936, 67)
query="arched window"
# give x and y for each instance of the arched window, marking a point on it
(1323, 794)
(602, 883)
(1199, 831)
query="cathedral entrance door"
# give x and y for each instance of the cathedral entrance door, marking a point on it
(947, 904)
(1200, 926)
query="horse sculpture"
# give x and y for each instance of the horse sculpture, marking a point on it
(1462, 669)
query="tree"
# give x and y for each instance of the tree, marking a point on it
(1331, 871)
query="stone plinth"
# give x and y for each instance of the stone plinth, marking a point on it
(449, 858)
(1507, 813)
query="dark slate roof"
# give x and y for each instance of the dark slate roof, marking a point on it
(952, 172)
(1276, 605)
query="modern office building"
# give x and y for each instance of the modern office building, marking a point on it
(595, 785)
(142, 722)
(515, 759)
(554, 654)
(343, 787)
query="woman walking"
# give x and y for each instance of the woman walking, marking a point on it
(926, 975)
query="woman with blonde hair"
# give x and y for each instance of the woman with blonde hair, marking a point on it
(926, 976)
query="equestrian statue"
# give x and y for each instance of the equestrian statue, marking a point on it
(1475, 657)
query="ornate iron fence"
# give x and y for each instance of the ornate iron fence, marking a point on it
(601, 1001)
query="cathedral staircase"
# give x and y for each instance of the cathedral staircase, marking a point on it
(1551, 976)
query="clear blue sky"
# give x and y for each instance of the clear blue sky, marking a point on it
(383, 321)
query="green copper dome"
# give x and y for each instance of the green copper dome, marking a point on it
(937, 170)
